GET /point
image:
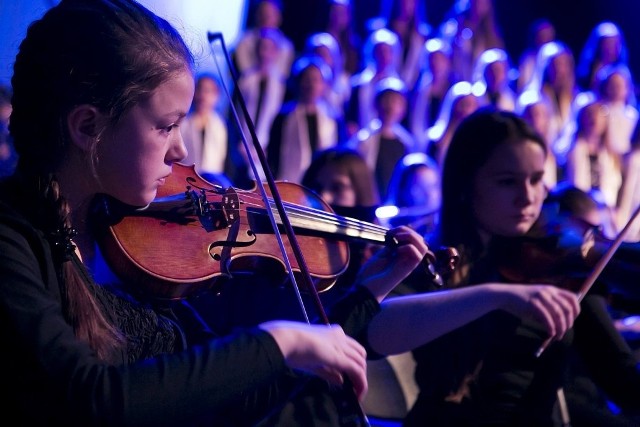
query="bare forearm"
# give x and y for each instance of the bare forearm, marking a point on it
(409, 321)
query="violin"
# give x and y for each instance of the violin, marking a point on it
(195, 232)
(563, 251)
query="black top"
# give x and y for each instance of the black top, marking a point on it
(487, 372)
(169, 373)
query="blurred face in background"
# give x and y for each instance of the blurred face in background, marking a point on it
(616, 89)
(610, 48)
(562, 70)
(392, 107)
(335, 186)
(424, 188)
(439, 64)
(5, 113)
(480, 8)
(544, 34)
(539, 116)
(383, 56)
(593, 119)
(496, 76)
(312, 85)
(268, 15)
(206, 95)
(339, 16)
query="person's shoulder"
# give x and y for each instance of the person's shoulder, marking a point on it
(217, 120)
(634, 159)
(327, 110)
(286, 42)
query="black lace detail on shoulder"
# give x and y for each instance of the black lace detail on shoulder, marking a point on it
(147, 332)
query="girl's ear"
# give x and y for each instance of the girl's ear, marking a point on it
(83, 124)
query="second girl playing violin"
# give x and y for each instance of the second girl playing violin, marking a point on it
(493, 187)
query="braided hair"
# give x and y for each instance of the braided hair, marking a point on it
(111, 54)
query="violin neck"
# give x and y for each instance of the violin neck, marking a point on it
(327, 223)
(307, 219)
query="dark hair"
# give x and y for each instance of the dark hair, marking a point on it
(111, 54)
(472, 144)
(352, 164)
(570, 200)
(534, 29)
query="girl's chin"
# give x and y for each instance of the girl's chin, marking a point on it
(523, 229)
(517, 230)
(142, 201)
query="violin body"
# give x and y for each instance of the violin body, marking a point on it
(564, 252)
(196, 232)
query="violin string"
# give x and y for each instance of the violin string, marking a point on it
(313, 213)
(308, 213)
(309, 218)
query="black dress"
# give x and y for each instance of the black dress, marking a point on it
(487, 372)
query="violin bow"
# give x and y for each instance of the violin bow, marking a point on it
(295, 247)
(306, 276)
(604, 260)
(601, 264)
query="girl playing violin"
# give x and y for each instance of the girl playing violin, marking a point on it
(492, 187)
(99, 91)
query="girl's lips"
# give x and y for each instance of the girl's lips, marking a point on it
(524, 217)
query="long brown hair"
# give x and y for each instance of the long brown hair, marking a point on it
(109, 54)
(471, 146)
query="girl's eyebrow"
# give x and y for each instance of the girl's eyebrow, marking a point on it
(177, 113)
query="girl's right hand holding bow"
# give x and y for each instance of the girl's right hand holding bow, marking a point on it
(325, 351)
(553, 307)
